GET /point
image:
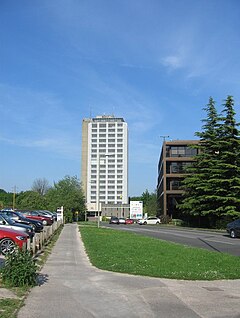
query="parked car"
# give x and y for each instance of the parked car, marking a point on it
(121, 221)
(233, 228)
(149, 220)
(129, 221)
(114, 220)
(6, 222)
(20, 218)
(35, 215)
(9, 239)
(47, 214)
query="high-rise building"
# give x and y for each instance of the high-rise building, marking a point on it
(105, 160)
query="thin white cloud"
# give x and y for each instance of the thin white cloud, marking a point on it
(172, 62)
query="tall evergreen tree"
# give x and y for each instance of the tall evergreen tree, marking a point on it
(227, 183)
(197, 198)
(212, 185)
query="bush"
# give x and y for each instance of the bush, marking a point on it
(165, 219)
(177, 222)
(19, 269)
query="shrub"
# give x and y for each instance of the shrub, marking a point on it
(19, 269)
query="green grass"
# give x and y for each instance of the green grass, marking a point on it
(8, 307)
(125, 252)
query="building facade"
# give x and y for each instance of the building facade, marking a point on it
(175, 157)
(104, 171)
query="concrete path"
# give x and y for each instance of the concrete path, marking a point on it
(71, 287)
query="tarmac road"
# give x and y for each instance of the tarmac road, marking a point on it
(71, 287)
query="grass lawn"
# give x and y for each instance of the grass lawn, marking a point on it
(124, 252)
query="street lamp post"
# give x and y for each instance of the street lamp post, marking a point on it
(98, 188)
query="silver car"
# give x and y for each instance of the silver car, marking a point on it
(8, 223)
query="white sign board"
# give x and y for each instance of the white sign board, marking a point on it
(136, 209)
(60, 213)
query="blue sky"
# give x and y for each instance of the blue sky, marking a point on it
(155, 63)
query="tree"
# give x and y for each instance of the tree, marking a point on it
(31, 200)
(227, 185)
(197, 199)
(212, 183)
(6, 199)
(40, 186)
(69, 194)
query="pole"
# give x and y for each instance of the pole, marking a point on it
(14, 197)
(98, 194)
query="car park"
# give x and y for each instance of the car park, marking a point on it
(20, 218)
(6, 222)
(9, 239)
(233, 228)
(149, 220)
(114, 220)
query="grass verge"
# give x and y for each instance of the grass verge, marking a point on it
(124, 252)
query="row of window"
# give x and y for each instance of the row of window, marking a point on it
(110, 130)
(109, 125)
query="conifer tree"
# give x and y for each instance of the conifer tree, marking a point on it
(226, 185)
(196, 199)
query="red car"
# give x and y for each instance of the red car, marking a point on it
(10, 238)
(35, 215)
(129, 221)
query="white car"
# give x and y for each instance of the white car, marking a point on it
(149, 220)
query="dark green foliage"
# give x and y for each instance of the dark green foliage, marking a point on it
(19, 269)
(212, 185)
(6, 199)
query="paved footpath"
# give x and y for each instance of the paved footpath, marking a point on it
(71, 287)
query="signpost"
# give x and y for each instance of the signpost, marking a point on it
(136, 209)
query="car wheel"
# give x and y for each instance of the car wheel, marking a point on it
(44, 222)
(232, 234)
(157, 222)
(7, 246)
(145, 223)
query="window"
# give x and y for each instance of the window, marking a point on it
(119, 171)
(102, 135)
(111, 135)
(119, 150)
(111, 150)
(111, 145)
(111, 140)
(102, 150)
(94, 145)
(119, 187)
(94, 156)
(120, 130)
(102, 140)
(93, 171)
(119, 135)
(102, 145)
(120, 124)
(94, 125)
(119, 140)
(94, 135)
(94, 131)
(102, 125)
(119, 160)
(93, 176)
(119, 145)
(94, 140)
(102, 130)
(111, 130)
